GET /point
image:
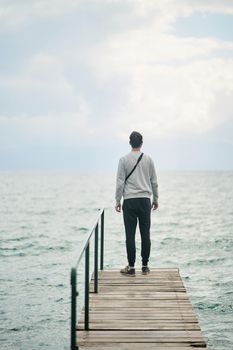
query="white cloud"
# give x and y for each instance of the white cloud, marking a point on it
(176, 8)
(42, 82)
(64, 128)
(45, 104)
(42, 71)
(17, 13)
(148, 47)
(172, 84)
(174, 101)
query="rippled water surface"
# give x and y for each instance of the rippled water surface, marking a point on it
(45, 218)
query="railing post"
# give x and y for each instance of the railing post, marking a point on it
(73, 281)
(102, 242)
(96, 259)
(87, 262)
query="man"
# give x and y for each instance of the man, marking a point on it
(136, 182)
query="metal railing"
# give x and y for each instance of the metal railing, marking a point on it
(73, 280)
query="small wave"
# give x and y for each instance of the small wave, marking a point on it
(229, 293)
(38, 279)
(57, 248)
(19, 329)
(205, 306)
(24, 226)
(60, 285)
(18, 239)
(211, 261)
(42, 320)
(62, 321)
(224, 240)
(83, 229)
(219, 307)
(42, 235)
(45, 212)
(59, 300)
(25, 246)
(5, 255)
(186, 278)
(43, 249)
(170, 240)
(224, 285)
(8, 249)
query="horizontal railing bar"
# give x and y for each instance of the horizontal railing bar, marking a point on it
(90, 235)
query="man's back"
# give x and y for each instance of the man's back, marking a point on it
(141, 183)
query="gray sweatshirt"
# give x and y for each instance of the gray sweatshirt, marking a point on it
(141, 183)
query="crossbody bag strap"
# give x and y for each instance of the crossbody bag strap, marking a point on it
(135, 166)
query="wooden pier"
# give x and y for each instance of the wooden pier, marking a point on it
(142, 312)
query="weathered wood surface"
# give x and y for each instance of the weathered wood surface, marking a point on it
(142, 312)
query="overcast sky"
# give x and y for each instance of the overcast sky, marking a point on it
(77, 76)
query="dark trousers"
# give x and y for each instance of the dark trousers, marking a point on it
(137, 210)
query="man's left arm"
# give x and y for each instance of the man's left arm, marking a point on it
(120, 183)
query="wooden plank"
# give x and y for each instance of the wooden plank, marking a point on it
(173, 316)
(148, 325)
(148, 336)
(141, 310)
(140, 336)
(140, 295)
(145, 278)
(167, 318)
(140, 303)
(140, 346)
(163, 270)
(94, 317)
(140, 288)
(138, 280)
(142, 279)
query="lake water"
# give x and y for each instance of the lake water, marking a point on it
(45, 219)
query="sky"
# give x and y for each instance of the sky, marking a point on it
(78, 76)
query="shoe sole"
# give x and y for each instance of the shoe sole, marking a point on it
(145, 273)
(127, 274)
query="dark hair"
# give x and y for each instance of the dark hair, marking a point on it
(135, 139)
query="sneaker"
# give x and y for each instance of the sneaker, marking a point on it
(128, 271)
(145, 270)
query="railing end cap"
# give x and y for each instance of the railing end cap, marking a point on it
(73, 274)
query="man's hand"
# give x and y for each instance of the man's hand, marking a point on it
(118, 207)
(154, 205)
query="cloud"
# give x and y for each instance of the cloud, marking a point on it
(148, 47)
(62, 129)
(44, 104)
(176, 8)
(175, 86)
(41, 87)
(176, 101)
(137, 74)
(15, 14)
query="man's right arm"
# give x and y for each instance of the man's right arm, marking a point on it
(154, 185)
